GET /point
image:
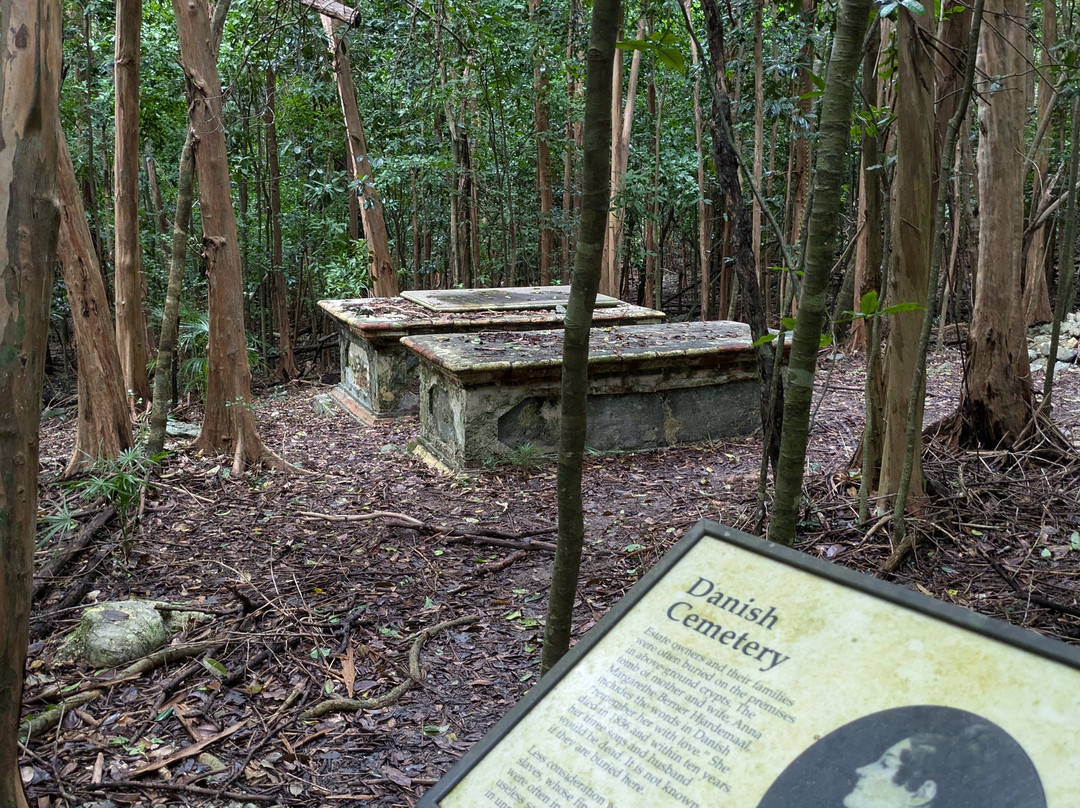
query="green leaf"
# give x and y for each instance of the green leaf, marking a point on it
(788, 323)
(658, 45)
(764, 340)
(825, 341)
(1074, 540)
(868, 304)
(899, 307)
(914, 6)
(215, 667)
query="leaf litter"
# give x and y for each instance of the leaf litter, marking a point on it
(412, 601)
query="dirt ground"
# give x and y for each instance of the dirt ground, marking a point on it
(322, 581)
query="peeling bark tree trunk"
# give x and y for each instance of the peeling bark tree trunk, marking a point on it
(996, 402)
(229, 424)
(912, 240)
(286, 361)
(29, 218)
(164, 378)
(383, 277)
(104, 425)
(132, 340)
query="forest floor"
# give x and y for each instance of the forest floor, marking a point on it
(314, 597)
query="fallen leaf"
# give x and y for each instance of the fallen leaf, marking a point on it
(348, 670)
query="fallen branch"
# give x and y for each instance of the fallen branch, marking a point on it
(391, 696)
(487, 569)
(186, 752)
(51, 716)
(44, 578)
(110, 786)
(521, 544)
(363, 517)
(1029, 597)
(479, 535)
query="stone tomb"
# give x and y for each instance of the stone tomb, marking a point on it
(485, 394)
(378, 375)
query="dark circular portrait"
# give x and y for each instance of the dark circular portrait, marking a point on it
(911, 757)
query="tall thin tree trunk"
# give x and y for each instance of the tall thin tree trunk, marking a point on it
(542, 122)
(868, 245)
(912, 238)
(29, 218)
(1065, 284)
(575, 384)
(89, 184)
(383, 276)
(703, 247)
(573, 142)
(996, 403)
(726, 160)
(622, 127)
(104, 425)
(279, 296)
(229, 423)
(759, 152)
(833, 140)
(801, 145)
(158, 205)
(1036, 290)
(165, 367)
(170, 317)
(132, 339)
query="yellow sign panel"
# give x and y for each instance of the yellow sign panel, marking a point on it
(746, 675)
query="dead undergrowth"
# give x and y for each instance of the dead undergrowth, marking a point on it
(373, 617)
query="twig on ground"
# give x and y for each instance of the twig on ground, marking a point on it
(37, 724)
(391, 696)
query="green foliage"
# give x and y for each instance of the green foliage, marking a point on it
(869, 307)
(887, 8)
(119, 481)
(667, 47)
(60, 522)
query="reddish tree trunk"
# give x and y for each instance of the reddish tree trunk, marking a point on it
(104, 425)
(29, 83)
(132, 340)
(229, 424)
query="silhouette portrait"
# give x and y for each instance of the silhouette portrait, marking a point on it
(911, 757)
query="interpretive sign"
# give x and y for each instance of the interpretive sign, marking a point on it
(740, 673)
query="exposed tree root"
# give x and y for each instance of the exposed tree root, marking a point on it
(391, 696)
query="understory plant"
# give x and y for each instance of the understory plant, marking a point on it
(117, 481)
